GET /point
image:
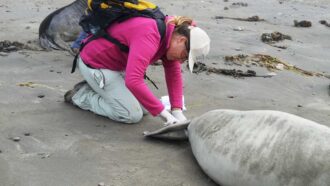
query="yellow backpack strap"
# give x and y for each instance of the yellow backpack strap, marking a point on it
(89, 4)
(102, 5)
(142, 5)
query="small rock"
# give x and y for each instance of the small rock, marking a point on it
(41, 96)
(16, 139)
(226, 8)
(299, 105)
(0, 151)
(273, 37)
(27, 134)
(239, 29)
(28, 27)
(302, 23)
(280, 66)
(101, 184)
(324, 22)
(231, 97)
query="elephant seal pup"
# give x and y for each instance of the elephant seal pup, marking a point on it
(259, 148)
(61, 26)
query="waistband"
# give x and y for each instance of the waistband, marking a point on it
(88, 65)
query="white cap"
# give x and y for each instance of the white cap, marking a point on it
(199, 45)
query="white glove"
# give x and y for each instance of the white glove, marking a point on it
(168, 117)
(178, 114)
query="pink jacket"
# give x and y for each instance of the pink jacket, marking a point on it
(142, 37)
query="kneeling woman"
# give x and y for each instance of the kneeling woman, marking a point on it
(115, 86)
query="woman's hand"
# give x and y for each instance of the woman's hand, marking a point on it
(168, 117)
(178, 114)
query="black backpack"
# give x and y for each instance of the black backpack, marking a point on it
(102, 13)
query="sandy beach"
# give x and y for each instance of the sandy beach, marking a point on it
(46, 142)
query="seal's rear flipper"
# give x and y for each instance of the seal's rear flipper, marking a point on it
(172, 132)
(61, 26)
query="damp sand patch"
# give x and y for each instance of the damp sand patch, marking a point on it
(236, 73)
(272, 64)
(7, 46)
(201, 67)
(31, 84)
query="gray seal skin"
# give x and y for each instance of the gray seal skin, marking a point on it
(261, 148)
(61, 26)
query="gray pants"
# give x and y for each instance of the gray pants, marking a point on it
(106, 95)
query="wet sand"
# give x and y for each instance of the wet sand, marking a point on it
(68, 146)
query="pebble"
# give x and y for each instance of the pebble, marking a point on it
(280, 66)
(27, 134)
(41, 96)
(16, 139)
(238, 28)
(101, 184)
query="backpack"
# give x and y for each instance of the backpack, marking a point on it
(102, 13)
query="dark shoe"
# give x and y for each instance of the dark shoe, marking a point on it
(69, 94)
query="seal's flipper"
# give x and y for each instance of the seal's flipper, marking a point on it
(56, 28)
(172, 132)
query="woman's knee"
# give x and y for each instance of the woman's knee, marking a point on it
(130, 117)
(136, 117)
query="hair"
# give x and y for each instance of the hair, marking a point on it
(181, 25)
